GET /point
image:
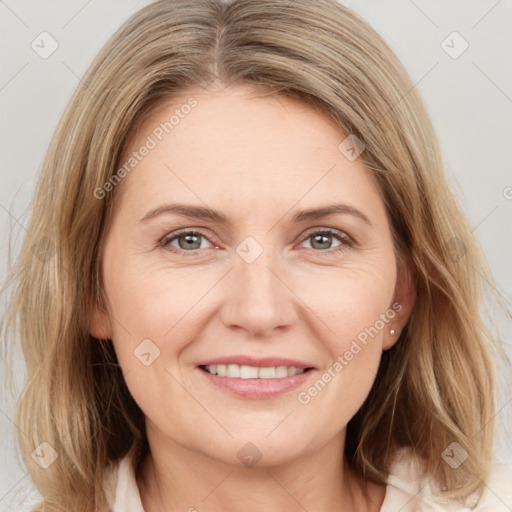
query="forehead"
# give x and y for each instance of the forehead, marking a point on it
(234, 147)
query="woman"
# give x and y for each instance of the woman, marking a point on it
(260, 292)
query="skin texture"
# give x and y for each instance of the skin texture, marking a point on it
(258, 160)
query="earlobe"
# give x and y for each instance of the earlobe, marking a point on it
(100, 326)
(405, 293)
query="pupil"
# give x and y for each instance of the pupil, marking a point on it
(325, 243)
(189, 240)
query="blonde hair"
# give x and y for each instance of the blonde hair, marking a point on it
(435, 386)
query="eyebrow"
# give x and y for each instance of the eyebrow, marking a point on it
(205, 213)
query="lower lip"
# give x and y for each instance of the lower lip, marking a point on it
(257, 389)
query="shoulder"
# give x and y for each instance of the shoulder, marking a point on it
(498, 489)
(410, 490)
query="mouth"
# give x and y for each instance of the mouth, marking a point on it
(257, 381)
(237, 371)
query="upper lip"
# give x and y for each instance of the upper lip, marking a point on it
(259, 362)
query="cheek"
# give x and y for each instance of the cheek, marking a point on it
(158, 313)
(148, 302)
(353, 302)
(356, 305)
(150, 330)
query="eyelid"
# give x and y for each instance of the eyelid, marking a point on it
(185, 231)
(332, 231)
(346, 240)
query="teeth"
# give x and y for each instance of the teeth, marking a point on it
(267, 373)
(233, 371)
(237, 371)
(247, 372)
(281, 371)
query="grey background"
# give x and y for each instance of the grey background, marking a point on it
(469, 99)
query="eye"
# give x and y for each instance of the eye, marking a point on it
(186, 242)
(190, 242)
(322, 240)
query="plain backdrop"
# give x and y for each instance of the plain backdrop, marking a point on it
(468, 94)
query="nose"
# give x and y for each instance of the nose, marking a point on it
(257, 298)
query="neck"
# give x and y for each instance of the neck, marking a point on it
(174, 478)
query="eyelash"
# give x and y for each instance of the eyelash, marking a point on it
(346, 240)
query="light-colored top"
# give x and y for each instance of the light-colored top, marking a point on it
(407, 490)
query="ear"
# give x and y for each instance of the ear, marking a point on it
(100, 325)
(403, 301)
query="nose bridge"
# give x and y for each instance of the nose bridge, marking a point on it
(259, 300)
(258, 283)
(256, 276)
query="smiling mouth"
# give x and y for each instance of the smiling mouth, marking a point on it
(236, 371)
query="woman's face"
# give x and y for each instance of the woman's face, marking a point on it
(255, 280)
